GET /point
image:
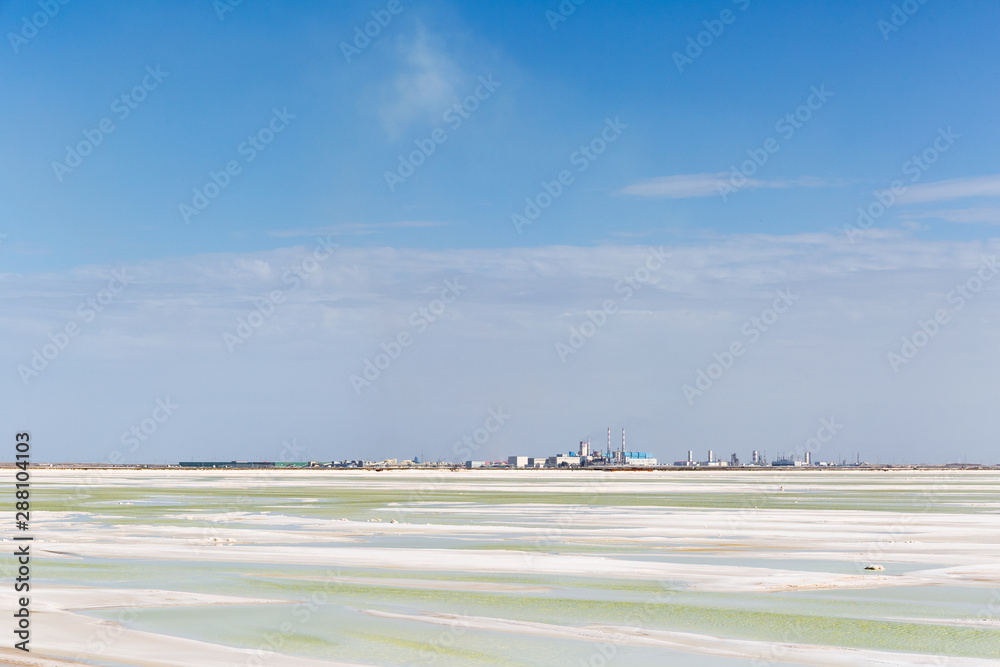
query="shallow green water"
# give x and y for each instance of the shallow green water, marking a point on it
(912, 619)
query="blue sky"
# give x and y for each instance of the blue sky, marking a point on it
(644, 140)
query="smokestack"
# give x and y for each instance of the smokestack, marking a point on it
(809, 458)
(623, 440)
(690, 456)
(609, 442)
(711, 456)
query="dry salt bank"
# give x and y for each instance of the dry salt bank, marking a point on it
(327, 567)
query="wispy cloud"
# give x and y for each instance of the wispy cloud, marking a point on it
(495, 345)
(985, 215)
(956, 188)
(423, 88)
(685, 186)
(356, 228)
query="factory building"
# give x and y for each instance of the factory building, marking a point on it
(713, 462)
(559, 461)
(787, 463)
(690, 461)
(227, 464)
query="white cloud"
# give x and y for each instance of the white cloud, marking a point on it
(678, 187)
(709, 184)
(494, 347)
(956, 188)
(357, 228)
(986, 215)
(422, 89)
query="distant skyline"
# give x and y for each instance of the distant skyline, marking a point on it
(363, 226)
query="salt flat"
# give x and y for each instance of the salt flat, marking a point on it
(302, 567)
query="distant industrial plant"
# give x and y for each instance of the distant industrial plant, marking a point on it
(759, 459)
(586, 456)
